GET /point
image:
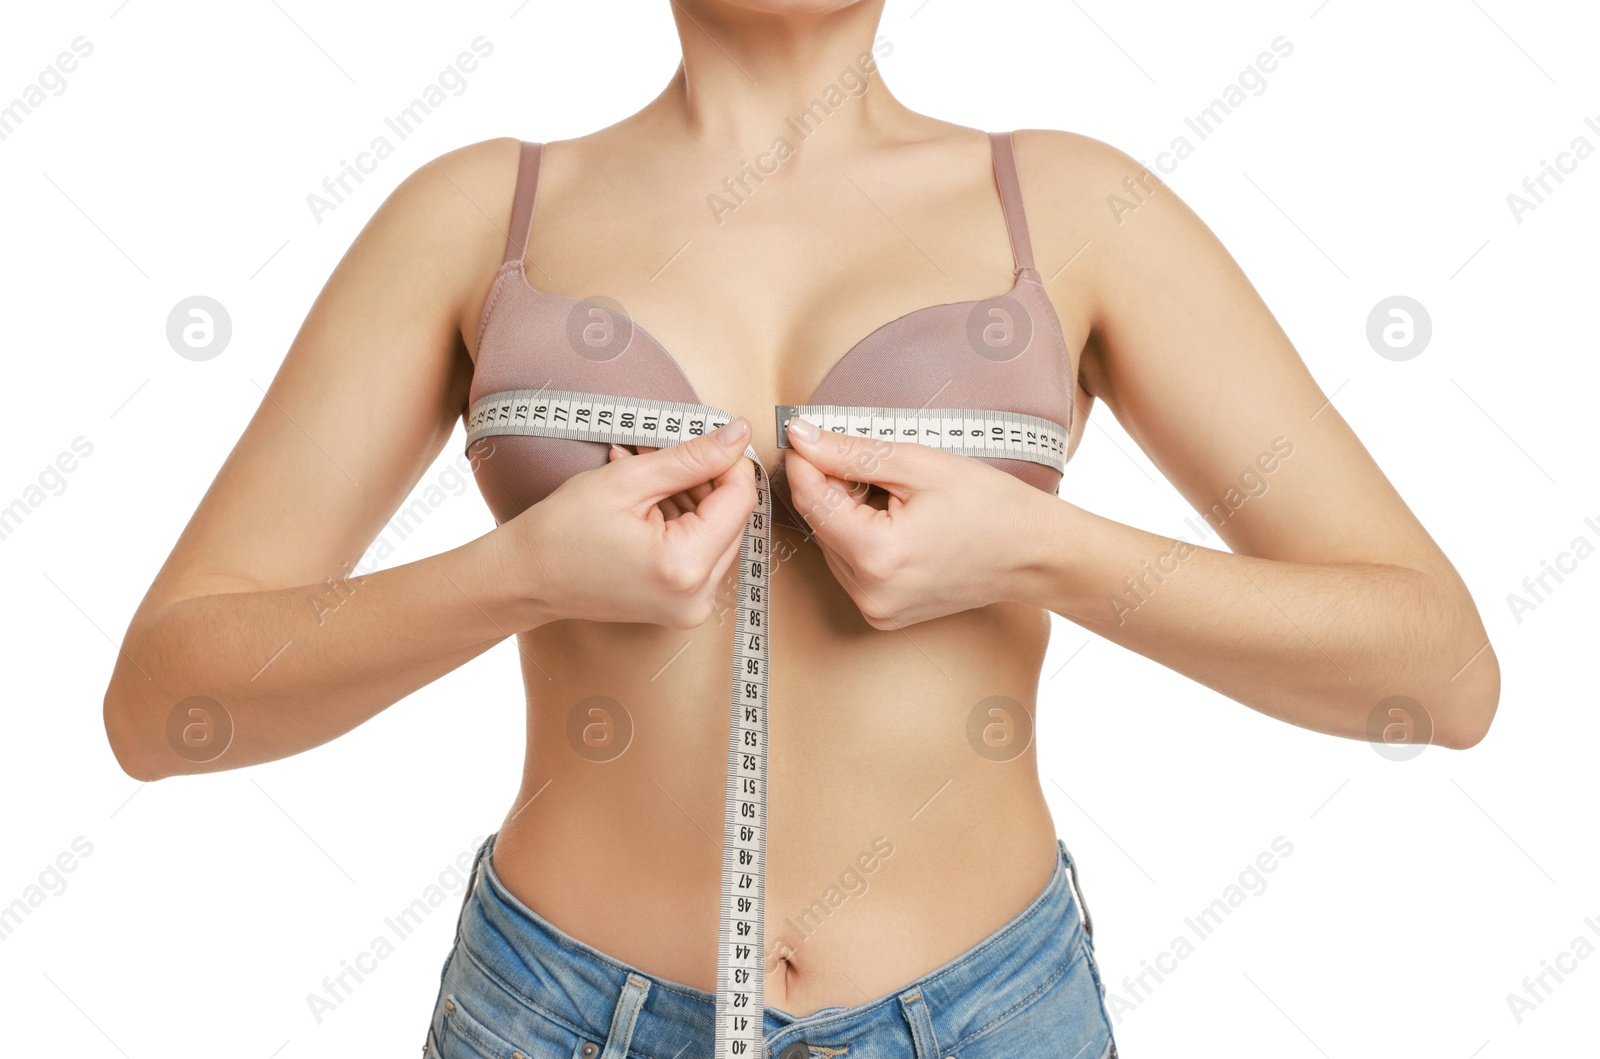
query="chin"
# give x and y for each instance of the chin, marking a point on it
(787, 7)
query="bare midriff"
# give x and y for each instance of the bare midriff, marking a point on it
(897, 840)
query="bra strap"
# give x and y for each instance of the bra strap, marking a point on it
(522, 204)
(1005, 174)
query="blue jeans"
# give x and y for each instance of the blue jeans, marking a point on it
(516, 987)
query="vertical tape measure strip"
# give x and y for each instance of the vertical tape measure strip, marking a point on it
(741, 928)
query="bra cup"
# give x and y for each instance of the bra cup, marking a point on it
(532, 341)
(1005, 354)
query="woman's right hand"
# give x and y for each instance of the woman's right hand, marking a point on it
(601, 548)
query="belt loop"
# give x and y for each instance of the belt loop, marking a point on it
(619, 1038)
(924, 1044)
(1083, 906)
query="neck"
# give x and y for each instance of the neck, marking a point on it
(750, 78)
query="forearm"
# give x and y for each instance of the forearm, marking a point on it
(293, 668)
(1317, 645)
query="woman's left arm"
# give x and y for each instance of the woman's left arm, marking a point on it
(1333, 598)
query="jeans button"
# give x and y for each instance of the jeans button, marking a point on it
(589, 1050)
(797, 1050)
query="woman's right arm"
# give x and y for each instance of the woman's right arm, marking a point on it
(256, 617)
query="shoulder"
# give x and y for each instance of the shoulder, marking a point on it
(442, 229)
(1109, 213)
(1065, 147)
(1070, 180)
(490, 159)
(449, 215)
(473, 184)
(1078, 185)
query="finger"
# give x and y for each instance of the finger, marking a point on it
(724, 563)
(651, 476)
(678, 503)
(895, 465)
(836, 509)
(843, 572)
(668, 507)
(698, 493)
(716, 521)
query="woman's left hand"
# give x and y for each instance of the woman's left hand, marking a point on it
(952, 533)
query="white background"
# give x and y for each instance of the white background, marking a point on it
(1377, 162)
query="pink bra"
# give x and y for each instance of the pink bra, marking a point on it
(1004, 353)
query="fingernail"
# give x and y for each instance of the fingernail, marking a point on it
(804, 430)
(619, 450)
(734, 431)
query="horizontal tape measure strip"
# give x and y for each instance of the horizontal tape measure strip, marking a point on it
(590, 417)
(600, 417)
(963, 431)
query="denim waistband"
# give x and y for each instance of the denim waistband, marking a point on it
(556, 975)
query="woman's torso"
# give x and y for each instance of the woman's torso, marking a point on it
(898, 833)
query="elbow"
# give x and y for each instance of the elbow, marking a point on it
(129, 738)
(1466, 682)
(1464, 734)
(153, 732)
(1461, 736)
(1472, 697)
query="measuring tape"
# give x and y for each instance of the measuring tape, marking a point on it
(963, 431)
(741, 964)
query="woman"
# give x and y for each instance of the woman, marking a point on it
(772, 206)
